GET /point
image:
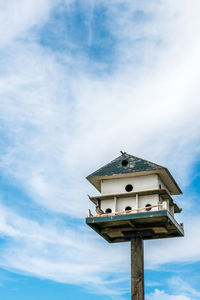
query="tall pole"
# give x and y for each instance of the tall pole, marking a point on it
(137, 268)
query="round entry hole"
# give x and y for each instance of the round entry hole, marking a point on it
(128, 208)
(148, 207)
(108, 211)
(124, 162)
(129, 187)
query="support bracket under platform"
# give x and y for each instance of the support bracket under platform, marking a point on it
(141, 234)
(148, 225)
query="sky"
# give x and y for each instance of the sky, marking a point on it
(80, 81)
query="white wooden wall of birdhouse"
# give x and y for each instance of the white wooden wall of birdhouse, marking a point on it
(162, 185)
(126, 204)
(139, 183)
(150, 200)
(108, 204)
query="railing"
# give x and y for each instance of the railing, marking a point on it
(162, 206)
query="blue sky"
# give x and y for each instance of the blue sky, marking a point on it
(80, 81)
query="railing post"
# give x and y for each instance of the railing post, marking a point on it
(164, 205)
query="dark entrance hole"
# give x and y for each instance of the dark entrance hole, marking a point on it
(128, 208)
(108, 211)
(148, 207)
(124, 162)
(129, 187)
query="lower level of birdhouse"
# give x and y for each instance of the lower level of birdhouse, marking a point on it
(148, 225)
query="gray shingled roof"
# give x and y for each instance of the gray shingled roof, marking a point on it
(125, 163)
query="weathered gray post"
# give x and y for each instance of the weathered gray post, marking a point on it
(137, 269)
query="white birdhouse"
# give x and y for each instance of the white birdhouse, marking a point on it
(135, 198)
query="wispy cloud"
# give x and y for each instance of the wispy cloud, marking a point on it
(179, 289)
(162, 295)
(17, 17)
(64, 114)
(183, 286)
(176, 250)
(58, 254)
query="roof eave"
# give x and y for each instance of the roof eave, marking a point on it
(162, 172)
(176, 189)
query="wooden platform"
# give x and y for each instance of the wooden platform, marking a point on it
(148, 225)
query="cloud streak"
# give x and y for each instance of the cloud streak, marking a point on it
(62, 115)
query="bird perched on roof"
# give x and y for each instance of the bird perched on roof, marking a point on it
(122, 152)
(99, 211)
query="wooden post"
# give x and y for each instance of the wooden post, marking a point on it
(137, 268)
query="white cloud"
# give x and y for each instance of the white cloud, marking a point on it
(62, 121)
(184, 249)
(158, 295)
(184, 286)
(17, 17)
(151, 115)
(64, 254)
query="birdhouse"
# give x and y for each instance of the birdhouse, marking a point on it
(135, 199)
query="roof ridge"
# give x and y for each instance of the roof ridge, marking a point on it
(115, 167)
(105, 165)
(144, 160)
(126, 164)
